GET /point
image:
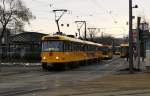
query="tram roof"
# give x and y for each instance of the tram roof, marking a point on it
(66, 38)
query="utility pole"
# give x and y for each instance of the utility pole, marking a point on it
(144, 35)
(85, 30)
(57, 18)
(79, 26)
(102, 35)
(130, 39)
(138, 41)
(85, 27)
(92, 32)
(99, 30)
(79, 33)
(0, 54)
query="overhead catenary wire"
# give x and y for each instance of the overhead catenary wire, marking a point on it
(41, 2)
(77, 13)
(74, 12)
(108, 12)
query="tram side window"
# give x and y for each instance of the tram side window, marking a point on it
(82, 47)
(75, 47)
(85, 47)
(90, 48)
(70, 46)
(78, 47)
(96, 48)
(66, 46)
(93, 48)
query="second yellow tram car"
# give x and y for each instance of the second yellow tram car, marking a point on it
(124, 50)
(107, 52)
(62, 52)
(117, 50)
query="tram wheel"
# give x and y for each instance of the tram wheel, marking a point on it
(65, 66)
(44, 66)
(75, 64)
(61, 67)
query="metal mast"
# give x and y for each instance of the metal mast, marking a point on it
(83, 23)
(130, 39)
(58, 17)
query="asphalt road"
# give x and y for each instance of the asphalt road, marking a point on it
(30, 79)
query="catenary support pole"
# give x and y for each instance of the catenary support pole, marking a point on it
(130, 39)
(138, 41)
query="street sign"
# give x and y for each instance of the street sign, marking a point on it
(144, 31)
(134, 35)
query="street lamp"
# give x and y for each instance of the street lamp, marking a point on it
(130, 37)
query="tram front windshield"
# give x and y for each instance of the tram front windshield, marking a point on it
(52, 46)
(124, 49)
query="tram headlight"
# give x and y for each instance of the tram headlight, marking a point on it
(44, 58)
(57, 57)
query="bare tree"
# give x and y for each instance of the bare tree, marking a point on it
(13, 12)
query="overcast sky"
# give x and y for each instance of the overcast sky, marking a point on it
(109, 14)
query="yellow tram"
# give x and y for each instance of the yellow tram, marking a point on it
(117, 50)
(124, 50)
(64, 52)
(107, 52)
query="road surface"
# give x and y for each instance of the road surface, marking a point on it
(28, 80)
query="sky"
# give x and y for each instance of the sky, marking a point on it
(111, 16)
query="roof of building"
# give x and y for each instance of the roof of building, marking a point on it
(27, 37)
